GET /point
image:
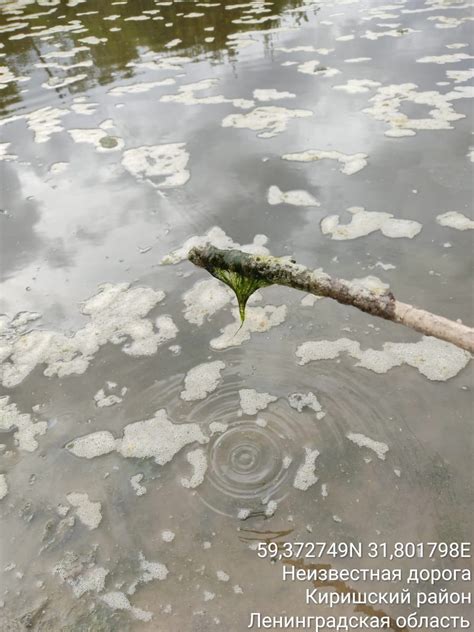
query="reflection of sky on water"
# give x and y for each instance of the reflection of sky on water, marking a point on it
(67, 228)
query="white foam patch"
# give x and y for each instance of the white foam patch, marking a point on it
(445, 22)
(149, 572)
(389, 99)
(4, 155)
(198, 459)
(268, 120)
(309, 300)
(135, 482)
(435, 359)
(70, 569)
(140, 87)
(167, 535)
(315, 68)
(7, 76)
(372, 284)
(257, 320)
(54, 83)
(158, 438)
(92, 445)
(58, 167)
(296, 49)
(350, 163)
(186, 95)
(454, 219)
(357, 86)
(75, 26)
(93, 40)
(294, 198)
(137, 18)
(162, 166)
(305, 476)
(306, 400)
(117, 315)
(3, 486)
(173, 43)
(366, 222)
(400, 32)
(385, 266)
(216, 237)
(80, 105)
(270, 508)
(454, 58)
(117, 600)
(460, 76)
(204, 299)
(104, 400)
(98, 136)
(43, 122)
(252, 402)
(357, 60)
(362, 441)
(86, 510)
(158, 61)
(202, 380)
(62, 54)
(271, 94)
(217, 426)
(92, 580)
(26, 429)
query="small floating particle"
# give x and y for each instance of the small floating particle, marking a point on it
(167, 535)
(135, 481)
(222, 576)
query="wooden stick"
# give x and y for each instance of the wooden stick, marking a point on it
(281, 271)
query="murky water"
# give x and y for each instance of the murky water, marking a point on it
(147, 444)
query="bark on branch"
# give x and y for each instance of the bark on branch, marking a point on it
(263, 270)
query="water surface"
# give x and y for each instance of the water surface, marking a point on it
(128, 128)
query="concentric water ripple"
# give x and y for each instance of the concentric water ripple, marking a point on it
(247, 460)
(254, 459)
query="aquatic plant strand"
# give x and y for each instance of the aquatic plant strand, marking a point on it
(243, 286)
(263, 270)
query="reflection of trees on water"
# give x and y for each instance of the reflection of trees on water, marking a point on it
(111, 59)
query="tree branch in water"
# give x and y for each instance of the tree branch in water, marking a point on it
(245, 273)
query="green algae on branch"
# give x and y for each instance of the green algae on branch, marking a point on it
(243, 286)
(244, 282)
(245, 273)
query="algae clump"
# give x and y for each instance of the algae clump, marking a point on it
(243, 286)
